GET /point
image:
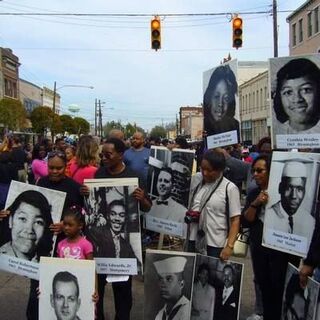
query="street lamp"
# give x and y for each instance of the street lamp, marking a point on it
(55, 89)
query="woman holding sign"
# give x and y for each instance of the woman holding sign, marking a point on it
(219, 102)
(269, 265)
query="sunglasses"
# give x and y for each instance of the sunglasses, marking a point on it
(257, 170)
(59, 154)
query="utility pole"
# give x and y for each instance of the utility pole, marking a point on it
(95, 117)
(275, 28)
(100, 120)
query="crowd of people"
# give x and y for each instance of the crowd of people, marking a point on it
(215, 198)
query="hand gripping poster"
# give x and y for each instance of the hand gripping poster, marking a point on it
(221, 105)
(168, 184)
(289, 217)
(24, 233)
(298, 302)
(295, 93)
(113, 225)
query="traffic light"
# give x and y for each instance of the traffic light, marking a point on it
(237, 32)
(155, 33)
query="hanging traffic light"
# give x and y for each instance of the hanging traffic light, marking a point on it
(155, 33)
(237, 32)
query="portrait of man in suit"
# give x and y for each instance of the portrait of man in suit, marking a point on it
(165, 207)
(113, 239)
(228, 308)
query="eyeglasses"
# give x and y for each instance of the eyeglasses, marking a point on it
(257, 170)
(59, 154)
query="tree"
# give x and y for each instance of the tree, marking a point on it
(82, 126)
(112, 125)
(158, 132)
(42, 119)
(130, 130)
(12, 114)
(67, 124)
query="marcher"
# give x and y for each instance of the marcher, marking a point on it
(137, 157)
(86, 162)
(114, 167)
(269, 265)
(39, 163)
(215, 205)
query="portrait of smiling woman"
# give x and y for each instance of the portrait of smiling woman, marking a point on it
(29, 220)
(296, 99)
(219, 102)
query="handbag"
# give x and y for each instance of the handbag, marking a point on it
(241, 244)
(240, 247)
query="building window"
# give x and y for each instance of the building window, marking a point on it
(300, 31)
(294, 35)
(10, 88)
(316, 19)
(309, 24)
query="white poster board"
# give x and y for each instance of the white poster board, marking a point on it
(25, 233)
(289, 214)
(66, 289)
(162, 267)
(221, 110)
(213, 277)
(168, 185)
(113, 225)
(296, 300)
(295, 94)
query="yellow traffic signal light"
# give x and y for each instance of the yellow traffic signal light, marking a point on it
(155, 33)
(237, 32)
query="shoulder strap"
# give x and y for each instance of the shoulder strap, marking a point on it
(227, 207)
(211, 193)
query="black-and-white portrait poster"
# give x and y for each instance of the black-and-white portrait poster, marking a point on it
(289, 215)
(295, 93)
(113, 225)
(221, 105)
(24, 234)
(66, 289)
(216, 289)
(168, 284)
(168, 184)
(299, 303)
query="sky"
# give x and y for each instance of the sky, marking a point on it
(113, 53)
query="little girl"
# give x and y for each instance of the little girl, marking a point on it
(75, 246)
